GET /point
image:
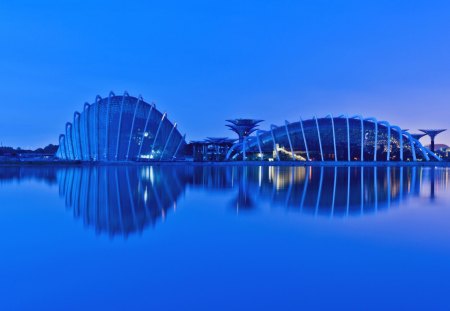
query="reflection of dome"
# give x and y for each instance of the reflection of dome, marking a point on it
(23, 173)
(332, 139)
(336, 190)
(120, 200)
(120, 128)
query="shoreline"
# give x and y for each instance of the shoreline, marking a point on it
(234, 163)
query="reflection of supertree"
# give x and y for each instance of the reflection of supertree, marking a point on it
(120, 200)
(211, 177)
(243, 201)
(432, 184)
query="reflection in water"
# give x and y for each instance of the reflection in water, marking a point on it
(11, 174)
(120, 200)
(339, 190)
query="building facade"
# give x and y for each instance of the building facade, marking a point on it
(212, 149)
(335, 139)
(120, 128)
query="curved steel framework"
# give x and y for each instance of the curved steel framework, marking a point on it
(335, 139)
(120, 128)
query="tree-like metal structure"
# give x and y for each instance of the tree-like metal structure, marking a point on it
(243, 127)
(418, 135)
(432, 133)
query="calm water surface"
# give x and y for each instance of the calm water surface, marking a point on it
(224, 238)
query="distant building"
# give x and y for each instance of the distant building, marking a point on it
(211, 149)
(120, 128)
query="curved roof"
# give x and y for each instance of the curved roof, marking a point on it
(120, 128)
(332, 139)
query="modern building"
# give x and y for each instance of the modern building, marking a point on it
(120, 128)
(126, 128)
(210, 149)
(332, 139)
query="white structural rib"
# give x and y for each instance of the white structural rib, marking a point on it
(62, 147)
(132, 126)
(348, 139)
(178, 147)
(388, 126)
(320, 140)
(422, 149)
(167, 140)
(304, 139)
(108, 108)
(231, 150)
(73, 135)
(375, 141)
(82, 133)
(157, 132)
(71, 142)
(152, 106)
(258, 132)
(334, 190)
(77, 121)
(244, 145)
(274, 142)
(319, 193)
(75, 139)
(68, 140)
(432, 154)
(362, 134)
(119, 128)
(334, 136)
(87, 138)
(286, 125)
(411, 143)
(400, 138)
(98, 99)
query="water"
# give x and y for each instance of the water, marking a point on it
(224, 238)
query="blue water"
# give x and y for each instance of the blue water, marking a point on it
(224, 238)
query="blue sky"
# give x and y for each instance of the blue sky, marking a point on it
(207, 61)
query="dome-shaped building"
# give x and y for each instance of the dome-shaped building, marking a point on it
(332, 139)
(120, 128)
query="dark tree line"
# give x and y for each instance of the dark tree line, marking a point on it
(50, 149)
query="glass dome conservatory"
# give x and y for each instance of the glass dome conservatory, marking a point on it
(332, 139)
(120, 128)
